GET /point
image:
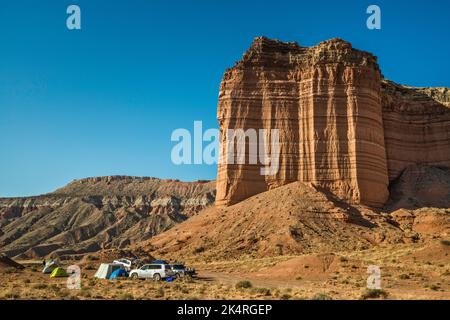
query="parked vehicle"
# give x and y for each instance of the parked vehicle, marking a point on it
(155, 271)
(127, 263)
(180, 270)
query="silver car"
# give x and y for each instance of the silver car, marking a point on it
(155, 271)
(181, 271)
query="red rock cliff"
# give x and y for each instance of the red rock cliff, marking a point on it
(338, 126)
(416, 126)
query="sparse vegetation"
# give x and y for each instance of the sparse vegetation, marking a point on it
(374, 294)
(434, 287)
(10, 270)
(126, 296)
(321, 296)
(245, 284)
(198, 250)
(40, 286)
(263, 291)
(12, 295)
(85, 293)
(31, 285)
(160, 292)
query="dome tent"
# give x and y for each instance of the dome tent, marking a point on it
(50, 266)
(58, 273)
(118, 273)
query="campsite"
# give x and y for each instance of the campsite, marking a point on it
(34, 280)
(122, 268)
(48, 279)
(285, 277)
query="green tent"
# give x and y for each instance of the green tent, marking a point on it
(59, 272)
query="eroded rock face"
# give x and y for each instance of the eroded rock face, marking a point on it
(416, 126)
(342, 127)
(97, 213)
(325, 101)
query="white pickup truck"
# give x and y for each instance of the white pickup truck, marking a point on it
(127, 263)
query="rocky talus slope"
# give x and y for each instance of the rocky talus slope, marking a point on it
(299, 218)
(97, 213)
(342, 126)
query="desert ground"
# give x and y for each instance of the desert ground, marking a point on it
(409, 271)
(293, 242)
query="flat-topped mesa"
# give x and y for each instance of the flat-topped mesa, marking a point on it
(265, 52)
(326, 102)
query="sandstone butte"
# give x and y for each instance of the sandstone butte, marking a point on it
(342, 126)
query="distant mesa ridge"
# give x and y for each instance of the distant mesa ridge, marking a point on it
(343, 127)
(97, 213)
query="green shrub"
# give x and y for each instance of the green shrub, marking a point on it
(64, 293)
(434, 287)
(321, 296)
(85, 293)
(39, 286)
(184, 290)
(11, 270)
(160, 292)
(245, 284)
(12, 295)
(177, 287)
(374, 294)
(263, 291)
(198, 250)
(126, 296)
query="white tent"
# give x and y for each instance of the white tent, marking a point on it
(50, 266)
(105, 270)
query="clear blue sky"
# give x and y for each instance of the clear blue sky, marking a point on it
(104, 100)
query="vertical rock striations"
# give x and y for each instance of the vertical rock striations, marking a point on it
(341, 126)
(325, 101)
(416, 126)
